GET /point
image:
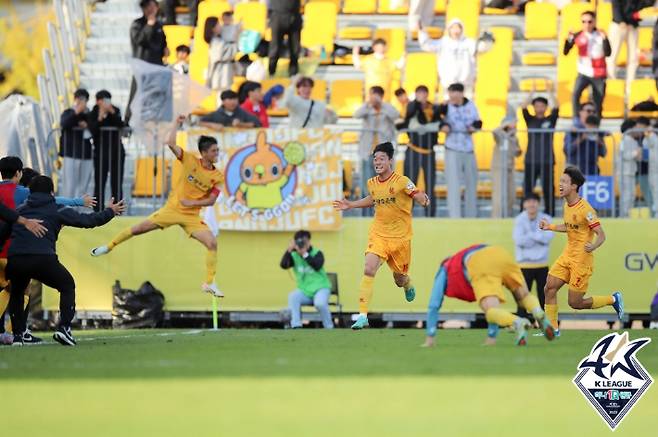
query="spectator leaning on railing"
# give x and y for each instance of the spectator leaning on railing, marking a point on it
(628, 157)
(75, 148)
(506, 150)
(313, 285)
(229, 114)
(584, 145)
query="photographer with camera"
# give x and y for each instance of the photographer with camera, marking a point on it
(313, 286)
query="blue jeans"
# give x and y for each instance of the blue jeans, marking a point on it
(320, 301)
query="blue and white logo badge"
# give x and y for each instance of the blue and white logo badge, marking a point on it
(611, 377)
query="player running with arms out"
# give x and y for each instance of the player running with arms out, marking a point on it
(476, 274)
(199, 185)
(389, 239)
(575, 265)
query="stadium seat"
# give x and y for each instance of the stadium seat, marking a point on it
(540, 84)
(432, 31)
(346, 96)
(143, 185)
(319, 26)
(177, 35)
(613, 102)
(335, 2)
(538, 58)
(604, 15)
(641, 90)
(359, 6)
(645, 41)
(385, 8)
(468, 11)
(421, 70)
(540, 21)
(355, 32)
(253, 16)
(497, 11)
(395, 41)
(440, 6)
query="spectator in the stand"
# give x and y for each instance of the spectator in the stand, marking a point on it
(313, 285)
(378, 67)
(584, 145)
(654, 53)
(254, 105)
(304, 112)
(460, 119)
(75, 148)
(532, 244)
(168, 11)
(650, 144)
(182, 64)
(507, 5)
(222, 39)
(506, 150)
(593, 46)
(229, 114)
(419, 155)
(648, 136)
(378, 127)
(403, 100)
(628, 158)
(109, 155)
(285, 19)
(456, 56)
(420, 11)
(539, 158)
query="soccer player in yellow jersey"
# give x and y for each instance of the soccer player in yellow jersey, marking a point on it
(199, 185)
(575, 265)
(389, 239)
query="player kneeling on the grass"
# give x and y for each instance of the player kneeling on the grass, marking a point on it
(313, 285)
(199, 185)
(389, 238)
(36, 258)
(477, 274)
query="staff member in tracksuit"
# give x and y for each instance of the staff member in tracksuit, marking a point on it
(36, 258)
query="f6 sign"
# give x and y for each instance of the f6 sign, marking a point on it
(599, 191)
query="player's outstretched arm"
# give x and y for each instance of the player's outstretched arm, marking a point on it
(545, 225)
(171, 137)
(422, 198)
(600, 239)
(206, 201)
(344, 204)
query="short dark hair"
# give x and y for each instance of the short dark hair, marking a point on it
(250, 86)
(377, 90)
(386, 147)
(42, 184)
(543, 100)
(228, 94)
(456, 87)
(627, 125)
(644, 121)
(103, 94)
(593, 119)
(582, 106)
(400, 91)
(81, 93)
(302, 233)
(206, 142)
(305, 81)
(379, 41)
(531, 196)
(144, 3)
(227, 14)
(421, 88)
(208, 27)
(590, 13)
(9, 166)
(576, 175)
(183, 48)
(28, 175)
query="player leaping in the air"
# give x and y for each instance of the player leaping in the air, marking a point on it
(477, 274)
(575, 265)
(389, 238)
(199, 185)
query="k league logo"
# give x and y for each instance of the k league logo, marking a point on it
(611, 377)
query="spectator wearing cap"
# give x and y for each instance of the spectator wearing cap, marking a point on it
(254, 105)
(75, 148)
(303, 111)
(229, 114)
(584, 144)
(532, 245)
(506, 150)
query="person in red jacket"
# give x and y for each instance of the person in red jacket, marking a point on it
(254, 103)
(476, 274)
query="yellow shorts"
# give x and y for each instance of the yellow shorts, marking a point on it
(491, 267)
(165, 217)
(3, 278)
(396, 253)
(573, 272)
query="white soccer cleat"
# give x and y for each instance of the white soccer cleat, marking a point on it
(212, 289)
(100, 250)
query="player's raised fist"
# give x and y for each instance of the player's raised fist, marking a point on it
(118, 207)
(181, 118)
(342, 205)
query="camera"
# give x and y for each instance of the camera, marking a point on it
(299, 242)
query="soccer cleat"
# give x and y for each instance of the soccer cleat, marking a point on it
(64, 336)
(100, 250)
(28, 338)
(618, 304)
(361, 322)
(521, 326)
(212, 289)
(546, 328)
(410, 294)
(18, 340)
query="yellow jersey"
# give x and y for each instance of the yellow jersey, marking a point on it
(580, 220)
(195, 183)
(393, 200)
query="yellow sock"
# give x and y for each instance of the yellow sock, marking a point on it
(551, 313)
(365, 293)
(4, 301)
(211, 266)
(500, 316)
(531, 303)
(601, 301)
(120, 238)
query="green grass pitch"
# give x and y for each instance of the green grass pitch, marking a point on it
(307, 383)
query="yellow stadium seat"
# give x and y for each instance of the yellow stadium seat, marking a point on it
(645, 42)
(209, 104)
(491, 89)
(356, 32)
(350, 137)
(540, 21)
(346, 96)
(468, 11)
(613, 102)
(403, 138)
(319, 91)
(497, 11)
(359, 6)
(143, 185)
(421, 70)
(319, 26)
(538, 58)
(604, 15)
(432, 31)
(335, 2)
(269, 83)
(395, 41)
(571, 18)
(253, 16)
(237, 81)
(177, 35)
(540, 84)
(641, 90)
(385, 8)
(440, 6)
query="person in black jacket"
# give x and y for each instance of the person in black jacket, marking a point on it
(75, 147)
(109, 155)
(285, 19)
(36, 258)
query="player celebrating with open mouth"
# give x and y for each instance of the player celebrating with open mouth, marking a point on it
(389, 238)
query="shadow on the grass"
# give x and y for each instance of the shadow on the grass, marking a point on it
(303, 353)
